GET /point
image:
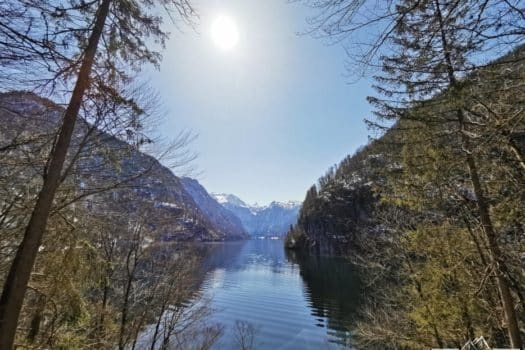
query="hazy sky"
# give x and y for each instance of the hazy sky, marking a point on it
(272, 113)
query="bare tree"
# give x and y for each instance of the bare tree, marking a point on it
(120, 27)
(244, 334)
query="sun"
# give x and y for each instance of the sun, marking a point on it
(224, 32)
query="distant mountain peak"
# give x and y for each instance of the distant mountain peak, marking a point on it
(224, 198)
(218, 214)
(288, 204)
(271, 219)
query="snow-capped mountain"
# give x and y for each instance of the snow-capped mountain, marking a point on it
(229, 198)
(221, 217)
(272, 219)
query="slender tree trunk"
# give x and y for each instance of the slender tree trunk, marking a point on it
(496, 256)
(17, 279)
(99, 331)
(124, 316)
(157, 329)
(127, 292)
(34, 328)
(515, 149)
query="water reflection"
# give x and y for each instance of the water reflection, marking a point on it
(294, 301)
(333, 291)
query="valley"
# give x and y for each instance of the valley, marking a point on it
(262, 175)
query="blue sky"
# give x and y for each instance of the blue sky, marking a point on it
(271, 114)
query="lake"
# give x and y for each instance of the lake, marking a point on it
(292, 301)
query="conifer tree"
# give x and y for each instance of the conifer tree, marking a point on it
(427, 51)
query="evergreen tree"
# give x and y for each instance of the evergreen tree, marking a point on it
(432, 55)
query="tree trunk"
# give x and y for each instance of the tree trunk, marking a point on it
(496, 257)
(17, 279)
(124, 316)
(482, 204)
(127, 292)
(516, 150)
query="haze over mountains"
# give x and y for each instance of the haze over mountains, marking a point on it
(187, 210)
(269, 220)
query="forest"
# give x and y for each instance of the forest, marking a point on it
(432, 209)
(87, 212)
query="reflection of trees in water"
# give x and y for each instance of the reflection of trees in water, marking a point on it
(333, 289)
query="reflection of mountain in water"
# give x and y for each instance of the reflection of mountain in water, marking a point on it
(243, 255)
(222, 255)
(333, 290)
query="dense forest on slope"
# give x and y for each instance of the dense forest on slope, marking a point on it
(341, 207)
(404, 209)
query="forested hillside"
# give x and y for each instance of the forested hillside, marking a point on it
(109, 263)
(108, 173)
(341, 207)
(405, 209)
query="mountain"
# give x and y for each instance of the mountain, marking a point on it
(272, 219)
(344, 212)
(221, 217)
(341, 209)
(28, 122)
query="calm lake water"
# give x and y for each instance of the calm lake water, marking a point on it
(293, 301)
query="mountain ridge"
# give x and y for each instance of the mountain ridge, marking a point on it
(273, 219)
(218, 215)
(105, 159)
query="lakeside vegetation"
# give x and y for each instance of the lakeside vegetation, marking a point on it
(432, 210)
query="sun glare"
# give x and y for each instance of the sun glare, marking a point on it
(224, 32)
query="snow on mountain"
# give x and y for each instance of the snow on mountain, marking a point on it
(221, 217)
(224, 198)
(261, 220)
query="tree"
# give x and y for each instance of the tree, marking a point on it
(428, 29)
(428, 52)
(63, 38)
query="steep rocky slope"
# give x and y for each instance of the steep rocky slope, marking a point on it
(109, 174)
(221, 217)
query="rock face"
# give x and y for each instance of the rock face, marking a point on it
(220, 217)
(27, 124)
(339, 211)
(270, 220)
